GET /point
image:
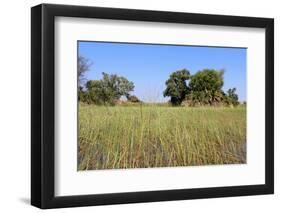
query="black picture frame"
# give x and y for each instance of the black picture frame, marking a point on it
(43, 102)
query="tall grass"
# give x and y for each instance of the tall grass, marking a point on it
(152, 136)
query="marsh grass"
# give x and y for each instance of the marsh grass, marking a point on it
(153, 136)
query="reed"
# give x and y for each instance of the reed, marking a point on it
(143, 136)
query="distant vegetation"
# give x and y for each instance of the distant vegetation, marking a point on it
(204, 88)
(106, 91)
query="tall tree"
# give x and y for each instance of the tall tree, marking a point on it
(176, 87)
(109, 89)
(118, 85)
(232, 97)
(206, 86)
(84, 65)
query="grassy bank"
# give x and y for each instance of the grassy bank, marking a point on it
(152, 136)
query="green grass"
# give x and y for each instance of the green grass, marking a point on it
(153, 136)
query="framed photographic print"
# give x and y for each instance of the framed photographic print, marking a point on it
(139, 106)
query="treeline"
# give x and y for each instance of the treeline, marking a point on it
(107, 91)
(201, 89)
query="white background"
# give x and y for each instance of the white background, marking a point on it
(70, 182)
(15, 106)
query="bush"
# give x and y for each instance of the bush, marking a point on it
(133, 99)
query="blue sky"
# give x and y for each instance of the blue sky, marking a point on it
(149, 66)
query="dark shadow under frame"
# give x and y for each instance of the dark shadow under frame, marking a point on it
(43, 117)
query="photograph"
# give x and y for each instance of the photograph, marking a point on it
(160, 105)
(138, 105)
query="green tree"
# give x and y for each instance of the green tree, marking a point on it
(176, 87)
(232, 97)
(109, 89)
(206, 87)
(96, 92)
(117, 85)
